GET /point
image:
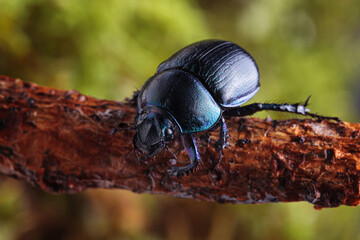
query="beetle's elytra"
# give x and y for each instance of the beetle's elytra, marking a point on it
(192, 91)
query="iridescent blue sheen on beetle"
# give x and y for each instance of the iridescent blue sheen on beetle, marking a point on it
(192, 91)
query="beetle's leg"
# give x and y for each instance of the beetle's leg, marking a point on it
(191, 149)
(297, 108)
(222, 142)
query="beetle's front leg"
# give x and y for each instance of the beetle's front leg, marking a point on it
(191, 149)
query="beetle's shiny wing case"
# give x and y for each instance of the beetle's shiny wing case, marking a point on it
(183, 97)
(228, 72)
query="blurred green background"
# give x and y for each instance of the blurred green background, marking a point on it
(108, 49)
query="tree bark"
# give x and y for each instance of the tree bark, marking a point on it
(64, 142)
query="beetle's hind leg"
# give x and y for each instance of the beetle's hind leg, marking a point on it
(191, 149)
(297, 108)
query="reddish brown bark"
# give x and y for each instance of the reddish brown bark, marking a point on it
(61, 141)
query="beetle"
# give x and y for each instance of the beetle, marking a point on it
(192, 91)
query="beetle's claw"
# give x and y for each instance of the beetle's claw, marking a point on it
(314, 115)
(329, 118)
(320, 117)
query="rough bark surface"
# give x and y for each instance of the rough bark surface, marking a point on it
(63, 142)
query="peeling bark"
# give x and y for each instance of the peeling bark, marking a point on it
(63, 142)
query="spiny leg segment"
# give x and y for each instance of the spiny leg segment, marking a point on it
(297, 108)
(190, 146)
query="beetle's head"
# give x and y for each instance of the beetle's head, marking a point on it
(152, 132)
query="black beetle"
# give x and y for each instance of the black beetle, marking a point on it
(192, 91)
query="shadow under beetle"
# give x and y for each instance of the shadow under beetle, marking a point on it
(192, 91)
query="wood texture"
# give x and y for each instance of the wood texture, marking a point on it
(63, 142)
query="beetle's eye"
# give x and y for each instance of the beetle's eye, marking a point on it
(169, 134)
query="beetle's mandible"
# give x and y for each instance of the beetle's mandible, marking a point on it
(192, 91)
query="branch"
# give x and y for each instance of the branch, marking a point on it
(61, 142)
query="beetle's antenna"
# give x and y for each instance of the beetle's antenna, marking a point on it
(122, 127)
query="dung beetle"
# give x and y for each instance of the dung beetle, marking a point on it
(192, 91)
